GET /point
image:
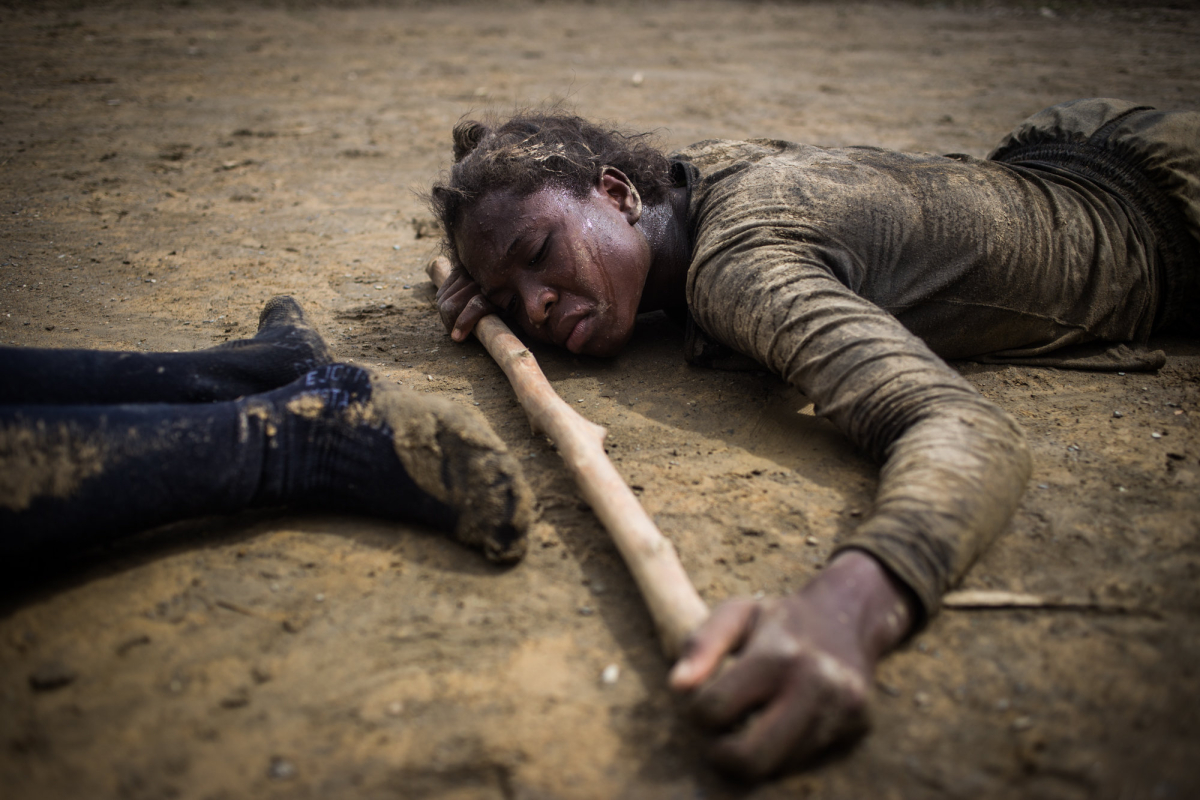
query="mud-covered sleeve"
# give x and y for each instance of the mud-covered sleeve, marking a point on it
(954, 465)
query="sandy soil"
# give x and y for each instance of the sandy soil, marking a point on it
(167, 169)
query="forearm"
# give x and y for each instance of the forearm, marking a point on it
(949, 485)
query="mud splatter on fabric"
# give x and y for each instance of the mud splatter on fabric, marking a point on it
(37, 460)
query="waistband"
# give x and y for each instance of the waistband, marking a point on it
(1117, 175)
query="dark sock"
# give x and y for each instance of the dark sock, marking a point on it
(284, 348)
(332, 440)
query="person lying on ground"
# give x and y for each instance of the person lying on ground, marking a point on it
(851, 273)
(95, 444)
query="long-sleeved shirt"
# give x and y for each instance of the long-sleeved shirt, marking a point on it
(852, 272)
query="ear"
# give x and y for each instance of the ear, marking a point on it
(620, 191)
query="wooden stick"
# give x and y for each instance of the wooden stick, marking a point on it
(674, 604)
(994, 599)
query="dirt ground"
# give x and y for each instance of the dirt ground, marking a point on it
(166, 169)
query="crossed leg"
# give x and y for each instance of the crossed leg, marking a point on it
(334, 438)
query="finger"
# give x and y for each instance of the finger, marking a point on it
(740, 687)
(824, 705)
(761, 746)
(451, 305)
(724, 632)
(476, 309)
(453, 282)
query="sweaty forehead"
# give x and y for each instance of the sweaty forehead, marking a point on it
(492, 228)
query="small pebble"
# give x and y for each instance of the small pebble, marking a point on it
(320, 598)
(922, 699)
(1118, 414)
(238, 699)
(1156, 435)
(810, 540)
(395, 708)
(1043, 486)
(610, 674)
(1022, 724)
(281, 769)
(50, 676)
(638, 79)
(1122, 374)
(586, 611)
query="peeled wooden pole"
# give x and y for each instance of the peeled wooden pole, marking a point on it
(674, 604)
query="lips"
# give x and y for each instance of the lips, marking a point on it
(570, 331)
(579, 334)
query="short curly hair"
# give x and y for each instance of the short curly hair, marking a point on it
(532, 150)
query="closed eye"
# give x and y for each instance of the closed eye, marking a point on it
(541, 253)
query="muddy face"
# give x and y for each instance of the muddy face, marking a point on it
(568, 270)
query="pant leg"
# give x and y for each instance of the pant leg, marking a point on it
(101, 377)
(284, 348)
(73, 476)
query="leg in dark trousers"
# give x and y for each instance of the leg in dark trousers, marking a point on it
(96, 444)
(71, 476)
(284, 348)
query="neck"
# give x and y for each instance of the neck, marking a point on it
(664, 225)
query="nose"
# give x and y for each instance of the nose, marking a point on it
(539, 300)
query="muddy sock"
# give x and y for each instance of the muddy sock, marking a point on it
(284, 348)
(75, 476)
(338, 439)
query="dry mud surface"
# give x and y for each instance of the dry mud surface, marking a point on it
(166, 169)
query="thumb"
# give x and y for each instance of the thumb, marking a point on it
(723, 633)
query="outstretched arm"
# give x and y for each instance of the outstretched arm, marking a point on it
(954, 468)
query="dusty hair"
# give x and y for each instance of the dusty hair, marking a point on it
(532, 150)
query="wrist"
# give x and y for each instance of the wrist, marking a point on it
(857, 591)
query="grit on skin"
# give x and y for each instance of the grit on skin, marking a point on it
(168, 167)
